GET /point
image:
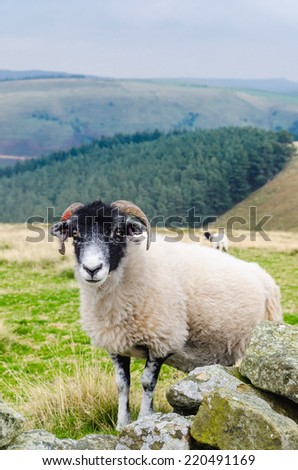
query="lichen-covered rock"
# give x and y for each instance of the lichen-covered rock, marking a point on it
(185, 396)
(271, 359)
(281, 405)
(240, 420)
(68, 443)
(157, 431)
(40, 439)
(11, 424)
(37, 439)
(92, 442)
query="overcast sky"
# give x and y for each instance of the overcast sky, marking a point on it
(152, 38)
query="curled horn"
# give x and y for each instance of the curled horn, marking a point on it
(71, 210)
(129, 208)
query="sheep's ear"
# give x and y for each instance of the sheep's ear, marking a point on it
(61, 230)
(134, 231)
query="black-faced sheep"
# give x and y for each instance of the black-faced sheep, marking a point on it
(178, 303)
(218, 240)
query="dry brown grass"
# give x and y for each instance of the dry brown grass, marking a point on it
(6, 333)
(16, 244)
(86, 401)
(279, 241)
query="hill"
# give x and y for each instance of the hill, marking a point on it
(38, 116)
(278, 198)
(277, 85)
(7, 75)
(176, 177)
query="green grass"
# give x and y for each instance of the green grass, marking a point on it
(43, 351)
(48, 369)
(43, 316)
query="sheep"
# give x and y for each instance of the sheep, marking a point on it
(218, 240)
(176, 303)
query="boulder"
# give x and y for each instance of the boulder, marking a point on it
(271, 359)
(92, 442)
(37, 439)
(239, 420)
(157, 431)
(11, 424)
(185, 396)
(40, 439)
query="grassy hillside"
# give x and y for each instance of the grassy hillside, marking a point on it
(275, 85)
(278, 198)
(40, 116)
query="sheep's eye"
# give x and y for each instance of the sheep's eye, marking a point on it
(118, 232)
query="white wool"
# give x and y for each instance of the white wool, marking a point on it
(179, 298)
(219, 241)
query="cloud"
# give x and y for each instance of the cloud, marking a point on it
(151, 38)
(283, 12)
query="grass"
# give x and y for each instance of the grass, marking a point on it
(48, 369)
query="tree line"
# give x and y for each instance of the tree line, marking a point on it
(164, 173)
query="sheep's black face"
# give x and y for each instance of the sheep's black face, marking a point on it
(99, 241)
(100, 236)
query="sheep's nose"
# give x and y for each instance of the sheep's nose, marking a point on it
(93, 271)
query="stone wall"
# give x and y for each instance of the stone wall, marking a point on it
(254, 406)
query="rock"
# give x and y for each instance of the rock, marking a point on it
(40, 439)
(281, 405)
(157, 431)
(37, 439)
(230, 412)
(11, 424)
(92, 442)
(68, 443)
(271, 359)
(186, 395)
(240, 420)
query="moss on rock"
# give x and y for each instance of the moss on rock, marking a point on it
(240, 420)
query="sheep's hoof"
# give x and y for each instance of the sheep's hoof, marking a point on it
(122, 423)
(147, 413)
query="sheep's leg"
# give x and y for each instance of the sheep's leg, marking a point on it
(149, 380)
(122, 370)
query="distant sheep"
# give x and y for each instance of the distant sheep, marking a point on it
(178, 303)
(218, 240)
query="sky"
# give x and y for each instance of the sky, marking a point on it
(251, 39)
